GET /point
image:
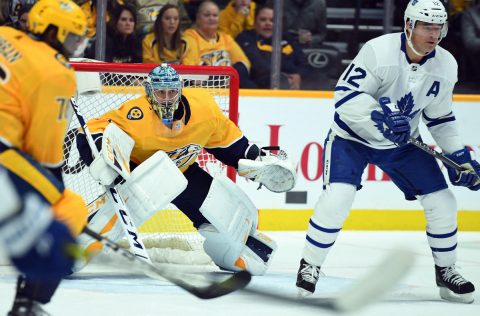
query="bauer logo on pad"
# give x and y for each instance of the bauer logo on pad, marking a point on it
(135, 113)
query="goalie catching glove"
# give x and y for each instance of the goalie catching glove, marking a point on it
(276, 172)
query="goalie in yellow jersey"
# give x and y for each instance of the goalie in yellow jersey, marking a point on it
(181, 122)
(38, 216)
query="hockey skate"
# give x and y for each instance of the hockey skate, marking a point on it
(453, 287)
(27, 307)
(307, 277)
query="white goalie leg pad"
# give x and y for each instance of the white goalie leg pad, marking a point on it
(152, 186)
(229, 209)
(254, 256)
(114, 158)
(275, 173)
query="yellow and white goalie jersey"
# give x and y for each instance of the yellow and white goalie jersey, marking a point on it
(36, 83)
(205, 127)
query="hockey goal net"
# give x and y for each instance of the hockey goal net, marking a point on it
(169, 235)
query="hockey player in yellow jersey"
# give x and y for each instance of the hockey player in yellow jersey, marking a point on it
(181, 122)
(36, 83)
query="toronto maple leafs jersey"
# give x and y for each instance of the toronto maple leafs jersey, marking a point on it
(422, 91)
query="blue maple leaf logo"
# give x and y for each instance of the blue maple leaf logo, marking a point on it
(406, 105)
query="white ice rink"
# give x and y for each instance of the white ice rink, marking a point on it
(98, 290)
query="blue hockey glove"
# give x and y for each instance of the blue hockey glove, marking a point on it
(469, 178)
(36, 243)
(392, 123)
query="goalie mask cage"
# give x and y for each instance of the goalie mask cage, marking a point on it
(169, 235)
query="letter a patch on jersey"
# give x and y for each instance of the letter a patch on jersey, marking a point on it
(135, 113)
(434, 89)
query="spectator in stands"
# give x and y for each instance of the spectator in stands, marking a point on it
(257, 45)
(206, 45)
(147, 11)
(238, 16)
(122, 45)
(307, 20)
(471, 39)
(22, 19)
(164, 43)
(10, 11)
(89, 7)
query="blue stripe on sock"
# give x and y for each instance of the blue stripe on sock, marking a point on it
(317, 244)
(444, 249)
(442, 235)
(322, 229)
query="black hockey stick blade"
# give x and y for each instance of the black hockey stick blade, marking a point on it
(208, 290)
(365, 291)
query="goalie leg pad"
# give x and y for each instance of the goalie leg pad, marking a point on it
(254, 256)
(229, 209)
(152, 186)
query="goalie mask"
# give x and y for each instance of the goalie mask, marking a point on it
(427, 11)
(69, 20)
(163, 87)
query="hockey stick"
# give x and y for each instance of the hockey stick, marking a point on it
(130, 229)
(213, 288)
(435, 154)
(365, 291)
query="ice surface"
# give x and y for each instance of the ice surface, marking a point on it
(101, 290)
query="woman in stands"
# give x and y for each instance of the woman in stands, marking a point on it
(206, 45)
(122, 44)
(164, 44)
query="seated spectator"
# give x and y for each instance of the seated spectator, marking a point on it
(471, 39)
(10, 11)
(257, 45)
(206, 45)
(164, 44)
(89, 7)
(122, 45)
(238, 16)
(22, 20)
(147, 11)
(307, 20)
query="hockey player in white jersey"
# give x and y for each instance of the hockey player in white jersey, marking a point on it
(395, 81)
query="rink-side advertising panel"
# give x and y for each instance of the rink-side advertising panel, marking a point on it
(298, 121)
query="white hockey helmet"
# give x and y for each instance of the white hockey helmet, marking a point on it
(428, 11)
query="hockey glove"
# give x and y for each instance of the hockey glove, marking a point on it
(469, 178)
(36, 243)
(392, 123)
(276, 172)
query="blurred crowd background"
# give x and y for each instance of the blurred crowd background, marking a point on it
(318, 38)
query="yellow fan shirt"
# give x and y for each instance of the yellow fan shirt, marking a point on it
(222, 51)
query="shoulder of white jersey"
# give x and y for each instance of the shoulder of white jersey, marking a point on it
(383, 44)
(447, 64)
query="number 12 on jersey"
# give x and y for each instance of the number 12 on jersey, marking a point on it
(358, 73)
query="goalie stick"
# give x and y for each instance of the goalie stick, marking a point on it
(212, 289)
(130, 230)
(365, 291)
